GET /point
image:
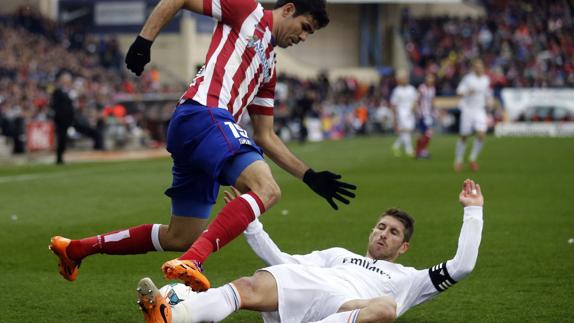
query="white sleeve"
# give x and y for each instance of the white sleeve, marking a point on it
(468, 242)
(267, 250)
(429, 282)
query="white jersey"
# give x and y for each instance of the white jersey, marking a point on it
(475, 91)
(360, 277)
(404, 98)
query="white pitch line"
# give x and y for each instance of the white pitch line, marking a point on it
(40, 176)
(29, 177)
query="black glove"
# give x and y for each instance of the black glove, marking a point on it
(327, 185)
(138, 55)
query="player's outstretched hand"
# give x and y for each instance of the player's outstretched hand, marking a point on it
(470, 194)
(329, 187)
(138, 55)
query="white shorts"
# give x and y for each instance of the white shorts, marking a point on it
(406, 122)
(306, 294)
(471, 122)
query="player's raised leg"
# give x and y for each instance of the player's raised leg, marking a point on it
(134, 240)
(260, 193)
(181, 232)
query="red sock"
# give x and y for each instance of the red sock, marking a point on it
(134, 240)
(419, 145)
(425, 141)
(422, 143)
(231, 221)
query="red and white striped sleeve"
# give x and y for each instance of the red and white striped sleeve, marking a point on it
(264, 100)
(229, 12)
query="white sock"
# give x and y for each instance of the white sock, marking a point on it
(476, 148)
(459, 152)
(155, 237)
(341, 317)
(213, 305)
(407, 143)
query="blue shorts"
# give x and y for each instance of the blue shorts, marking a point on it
(424, 123)
(208, 150)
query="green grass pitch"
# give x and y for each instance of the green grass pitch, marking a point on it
(525, 269)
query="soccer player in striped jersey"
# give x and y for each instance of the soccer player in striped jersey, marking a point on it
(425, 115)
(330, 286)
(207, 145)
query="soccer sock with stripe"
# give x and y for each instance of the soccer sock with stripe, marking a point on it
(135, 240)
(342, 317)
(231, 221)
(213, 305)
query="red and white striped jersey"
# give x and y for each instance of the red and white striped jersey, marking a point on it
(239, 68)
(426, 97)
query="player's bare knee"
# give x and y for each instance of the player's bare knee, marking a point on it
(246, 288)
(258, 292)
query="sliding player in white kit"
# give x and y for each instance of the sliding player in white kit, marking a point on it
(476, 94)
(332, 285)
(403, 100)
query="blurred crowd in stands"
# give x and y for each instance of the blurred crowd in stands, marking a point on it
(319, 109)
(522, 43)
(35, 50)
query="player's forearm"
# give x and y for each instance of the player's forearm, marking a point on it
(468, 244)
(275, 149)
(164, 12)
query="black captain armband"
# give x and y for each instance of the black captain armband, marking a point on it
(440, 277)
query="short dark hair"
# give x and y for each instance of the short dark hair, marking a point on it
(407, 220)
(316, 8)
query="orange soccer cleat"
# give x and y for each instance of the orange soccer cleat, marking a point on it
(153, 305)
(187, 270)
(68, 267)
